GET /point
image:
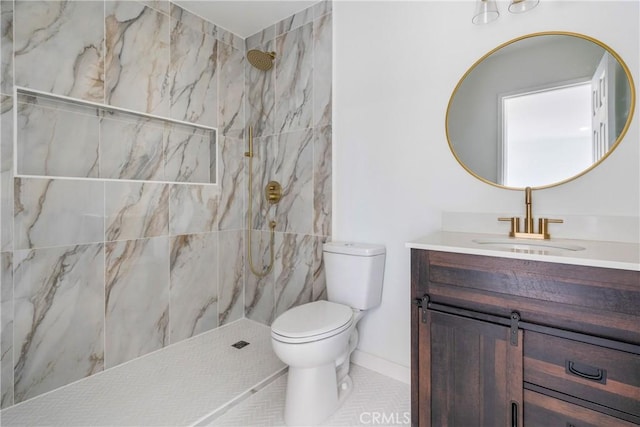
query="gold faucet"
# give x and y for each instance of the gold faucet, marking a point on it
(529, 233)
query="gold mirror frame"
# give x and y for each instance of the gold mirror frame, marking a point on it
(547, 33)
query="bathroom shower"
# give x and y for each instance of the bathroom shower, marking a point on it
(261, 60)
(273, 193)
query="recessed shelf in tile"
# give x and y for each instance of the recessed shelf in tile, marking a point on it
(63, 137)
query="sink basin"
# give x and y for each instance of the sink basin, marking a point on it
(527, 245)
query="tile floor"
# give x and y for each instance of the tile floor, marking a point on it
(176, 386)
(376, 400)
(204, 381)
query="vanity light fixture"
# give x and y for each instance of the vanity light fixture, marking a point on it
(520, 6)
(487, 10)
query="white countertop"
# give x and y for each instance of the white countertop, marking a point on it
(618, 255)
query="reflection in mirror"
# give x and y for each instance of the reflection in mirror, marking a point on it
(526, 146)
(540, 110)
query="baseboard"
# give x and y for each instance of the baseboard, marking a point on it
(381, 366)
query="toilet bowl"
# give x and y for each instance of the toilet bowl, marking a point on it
(316, 339)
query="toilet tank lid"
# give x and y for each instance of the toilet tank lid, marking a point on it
(353, 248)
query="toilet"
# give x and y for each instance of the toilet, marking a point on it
(316, 339)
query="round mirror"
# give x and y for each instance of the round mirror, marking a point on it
(540, 110)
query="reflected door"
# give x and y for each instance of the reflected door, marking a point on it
(602, 109)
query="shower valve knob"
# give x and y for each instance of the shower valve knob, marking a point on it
(273, 192)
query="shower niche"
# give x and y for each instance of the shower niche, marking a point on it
(63, 137)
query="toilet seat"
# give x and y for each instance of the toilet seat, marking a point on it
(312, 322)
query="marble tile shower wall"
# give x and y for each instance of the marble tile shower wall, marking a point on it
(97, 272)
(290, 110)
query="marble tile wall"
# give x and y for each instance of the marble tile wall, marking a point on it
(111, 246)
(290, 110)
(113, 242)
(58, 303)
(109, 143)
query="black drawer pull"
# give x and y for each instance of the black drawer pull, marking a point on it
(514, 414)
(585, 371)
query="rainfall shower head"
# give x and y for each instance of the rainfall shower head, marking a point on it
(261, 60)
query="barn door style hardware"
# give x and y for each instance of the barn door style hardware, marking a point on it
(515, 320)
(422, 303)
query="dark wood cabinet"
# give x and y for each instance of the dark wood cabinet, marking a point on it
(476, 375)
(510, 342)
(545, 411)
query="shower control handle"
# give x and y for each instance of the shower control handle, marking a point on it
(273, 192)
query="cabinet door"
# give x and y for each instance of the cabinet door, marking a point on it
(470, 373)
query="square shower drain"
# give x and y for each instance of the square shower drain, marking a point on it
(240, 344)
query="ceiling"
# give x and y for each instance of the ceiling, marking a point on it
(244, 17)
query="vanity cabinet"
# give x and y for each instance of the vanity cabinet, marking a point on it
(514, 342)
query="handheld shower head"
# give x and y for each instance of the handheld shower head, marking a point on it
(261, 60)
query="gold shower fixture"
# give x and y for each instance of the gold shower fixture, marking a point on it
(261, 60)
(273, 194)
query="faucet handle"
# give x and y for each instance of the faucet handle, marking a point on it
(543, 226)
(515, 224)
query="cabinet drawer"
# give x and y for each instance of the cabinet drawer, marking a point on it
(545, 411)
(596, 374)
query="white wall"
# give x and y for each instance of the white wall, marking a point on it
(396, 65)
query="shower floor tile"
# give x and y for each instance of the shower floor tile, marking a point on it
(178, 385)
(374, 400)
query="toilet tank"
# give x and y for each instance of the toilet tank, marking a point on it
(354, 273)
